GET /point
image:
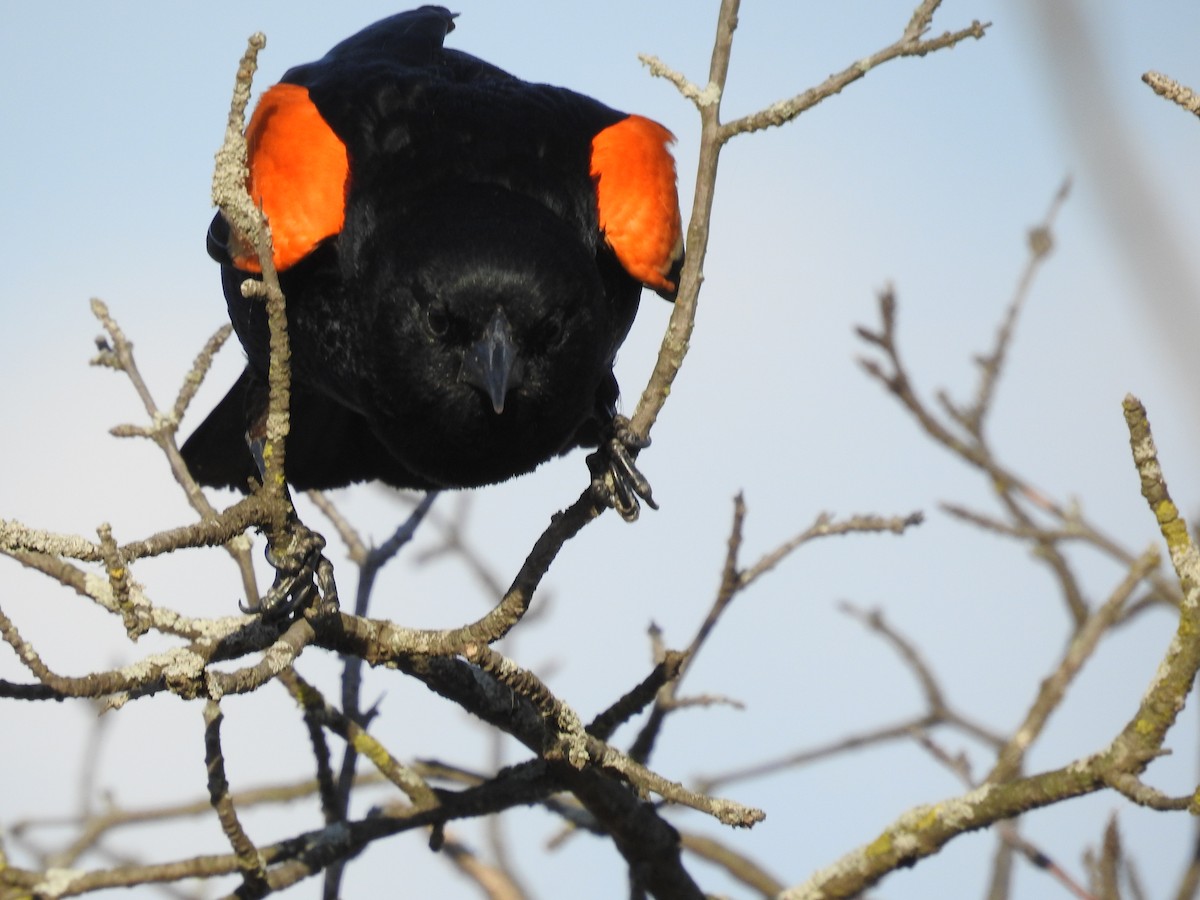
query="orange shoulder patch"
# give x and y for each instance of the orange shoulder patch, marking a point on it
(298, 170)
(636, 198)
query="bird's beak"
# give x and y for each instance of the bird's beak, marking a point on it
(492, 363)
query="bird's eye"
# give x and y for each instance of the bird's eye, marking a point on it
(438, 320)
(552, 331)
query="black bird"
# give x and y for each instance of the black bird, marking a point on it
(462, 254)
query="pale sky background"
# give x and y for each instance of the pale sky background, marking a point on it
(926, 174)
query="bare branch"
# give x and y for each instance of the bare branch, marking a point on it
(249, 861)
(825, 526)
(1082, 645)
(924, 830)
(1172, 90)
(736, 864)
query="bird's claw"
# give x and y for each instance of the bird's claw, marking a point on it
(616, 479)
(301, 573)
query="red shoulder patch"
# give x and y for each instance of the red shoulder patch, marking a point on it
(298, 170)
(637, 201)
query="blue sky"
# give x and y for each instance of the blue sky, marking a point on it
(925, 175)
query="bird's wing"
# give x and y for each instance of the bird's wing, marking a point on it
(637, 202)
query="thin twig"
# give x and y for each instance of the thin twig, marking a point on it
(1172, 90)
(249, 861)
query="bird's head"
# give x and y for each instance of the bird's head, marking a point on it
(494, 329)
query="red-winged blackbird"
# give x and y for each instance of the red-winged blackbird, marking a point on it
(462, 253)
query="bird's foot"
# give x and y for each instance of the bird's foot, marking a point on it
(616, 479)
(302, 574)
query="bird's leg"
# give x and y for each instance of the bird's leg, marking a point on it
(302, 573)
(616, 479)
